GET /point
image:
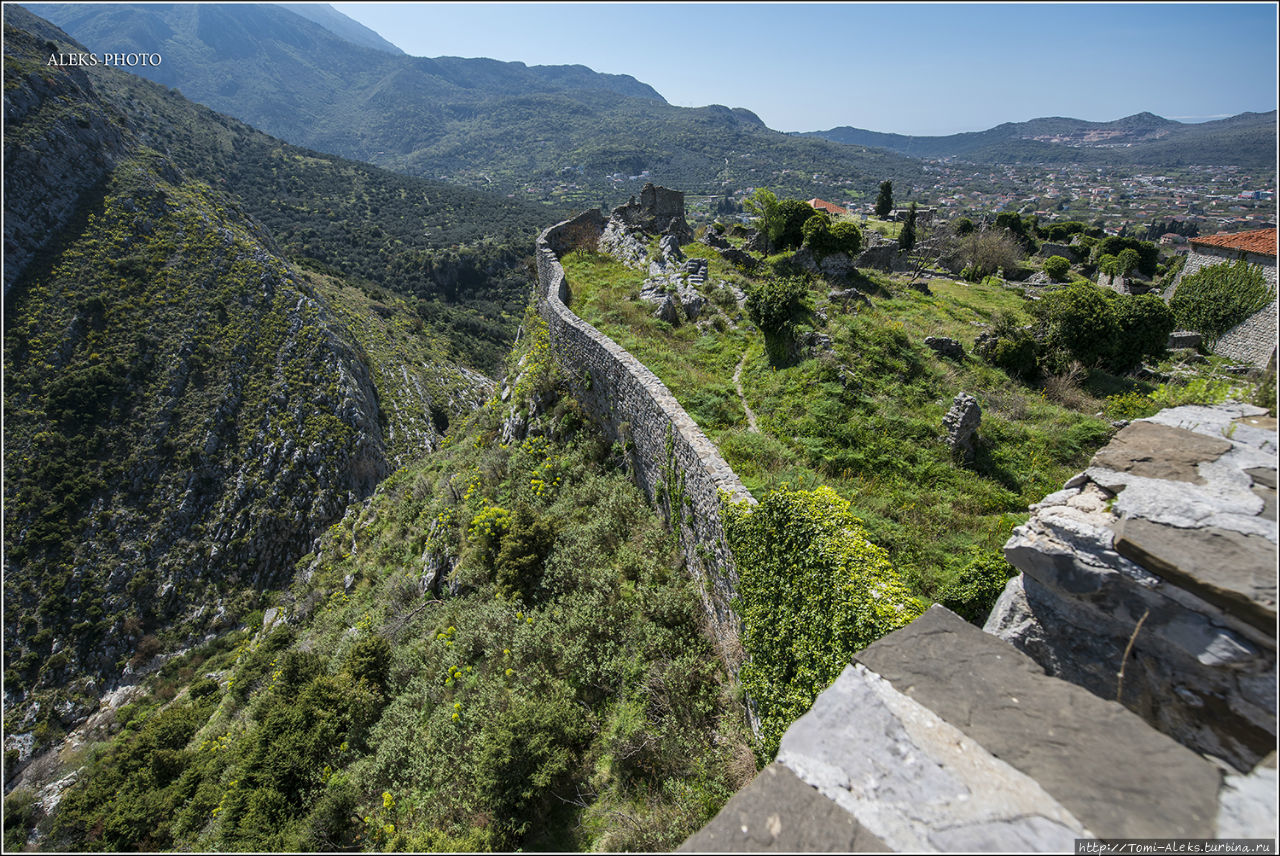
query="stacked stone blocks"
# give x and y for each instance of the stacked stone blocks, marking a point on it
(674, 462)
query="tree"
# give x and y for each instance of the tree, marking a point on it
(1144, 324)
(884, 202)
(984, 251)
(907, 237)
(786, 228)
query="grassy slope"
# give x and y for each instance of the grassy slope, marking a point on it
(868, 421)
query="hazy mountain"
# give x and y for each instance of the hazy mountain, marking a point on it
(1248, 139)
(336, 22)
(476, 121)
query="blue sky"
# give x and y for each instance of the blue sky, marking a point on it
(910, 68)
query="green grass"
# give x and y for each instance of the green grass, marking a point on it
(867, 419)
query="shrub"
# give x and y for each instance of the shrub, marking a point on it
(1144, 324)
(978, 585)
(1076, 322)
(812, 591)
(773, 303)
(1130, 405)
(1214, 299)
(848, 238)
(525, 547)
(1057, 268)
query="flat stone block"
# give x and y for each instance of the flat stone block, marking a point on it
(780, 813)
(1117, 775)
(1234, 572)
(1160, 452)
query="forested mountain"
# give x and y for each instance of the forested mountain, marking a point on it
(340, 25)
(523, 130)
(185, 408)
(1248, 139)
(460, 251)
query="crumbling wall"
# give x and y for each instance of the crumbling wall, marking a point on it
(674, 462)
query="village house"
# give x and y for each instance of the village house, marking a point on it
(1254, 339)
(830, 207)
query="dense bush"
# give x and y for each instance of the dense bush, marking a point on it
(1143, 324)
(772, 303)
(812, 591)
(1214, 299)
(1057, 268)
(822, 237)
(1148, 253)
(1075, 323)
(978, 585)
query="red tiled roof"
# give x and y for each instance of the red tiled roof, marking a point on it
(1260, 241)
(823, 205)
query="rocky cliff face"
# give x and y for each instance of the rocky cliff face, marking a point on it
(61, 140)
(185, 411)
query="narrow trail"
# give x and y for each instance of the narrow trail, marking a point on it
(737, 382)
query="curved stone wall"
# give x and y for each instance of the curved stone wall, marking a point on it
(674, 462)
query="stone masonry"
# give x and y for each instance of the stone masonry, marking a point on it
(673, 460)
(940, 737)
(1151, 578)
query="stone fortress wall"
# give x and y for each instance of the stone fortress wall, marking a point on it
(674, 462)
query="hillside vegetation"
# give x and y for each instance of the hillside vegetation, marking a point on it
(185, 410)
(865, 416)
(498, 651)
(459, 254)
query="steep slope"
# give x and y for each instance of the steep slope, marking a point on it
(339, 24)
(185, 411)
(1248, 139)
(497, 651)
(543, 132)
(459, 252)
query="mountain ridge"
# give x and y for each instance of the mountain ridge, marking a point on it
(1140, 138)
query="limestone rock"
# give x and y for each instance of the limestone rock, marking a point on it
(961, 423)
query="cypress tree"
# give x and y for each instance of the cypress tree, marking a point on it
(907, 238)
(884, 202)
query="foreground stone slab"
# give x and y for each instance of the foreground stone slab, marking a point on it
(1151, 579)
(1115, 774)
(778, 812)
(1160, 451)
(1228, 569)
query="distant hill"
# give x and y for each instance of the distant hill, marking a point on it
(339, 24)
(480, 122)
(1248, 139)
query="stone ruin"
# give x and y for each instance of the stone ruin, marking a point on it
(1124, 687)
(674, 282)
(660, 211)
(962, 422)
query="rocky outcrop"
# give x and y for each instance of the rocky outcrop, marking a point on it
(60, 142)
(940, 738)
(944, 347)
(1151, 578)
